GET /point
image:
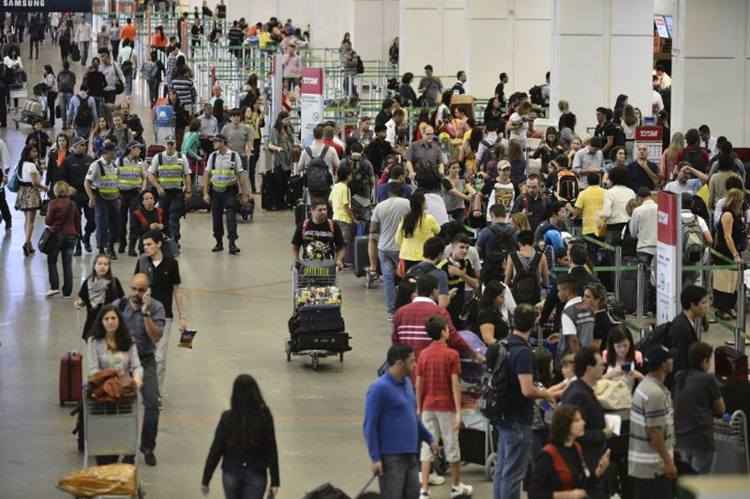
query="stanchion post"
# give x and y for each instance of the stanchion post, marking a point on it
(618, 272)
(739, 331)
(639, 291)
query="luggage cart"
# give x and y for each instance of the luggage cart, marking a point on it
(315, 273)
(477, 439)
(111, 428)
(731, 456)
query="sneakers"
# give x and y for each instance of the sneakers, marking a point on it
(52, 292)
(233, 249)
(434, 479)
(149, 458)
(219, 247)
(424, 494)
(461, 490)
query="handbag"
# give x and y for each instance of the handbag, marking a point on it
(49, 241)
(613, 395)
(119, 86)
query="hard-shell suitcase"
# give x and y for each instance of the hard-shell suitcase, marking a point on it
(361, 256)
(71, 384)
(730, 364)
(272, 196)
(629, 287)
(330, 342)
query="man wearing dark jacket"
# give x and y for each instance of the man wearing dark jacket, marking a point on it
(75, 167)
(682, 334)
(494, 243)
(533, 203)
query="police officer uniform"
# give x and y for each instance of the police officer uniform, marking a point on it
(224, 170)
(173, 175)
(104, 180)
(131, 180)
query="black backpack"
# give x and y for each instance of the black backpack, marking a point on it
(85, 116)
(316, 174)
(360, 66)
(494, 260)
(495, 383)
(65, 81)
(656, 336)
(696, 159)
(525, 285)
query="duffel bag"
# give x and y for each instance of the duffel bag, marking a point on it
(311, 319)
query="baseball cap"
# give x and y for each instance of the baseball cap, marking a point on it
(79, 140)
(503, 165)
(169, 139)
(656, 356)
(134, 144)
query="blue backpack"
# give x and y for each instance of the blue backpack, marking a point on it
(14, 182)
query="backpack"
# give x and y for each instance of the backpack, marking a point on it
(525, 285)
(14, 181)
(656, 336)
(494, 259)
(495, 382)
(85, 116)
(693, 245)
(316, 174)
(567, 185)
(326, 491)
(535, 94)
(65, 82)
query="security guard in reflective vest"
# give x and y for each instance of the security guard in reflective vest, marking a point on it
(132, 181)
(170, 175)
(103, 189)
(225, 176)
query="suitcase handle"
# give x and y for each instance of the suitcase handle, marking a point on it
(367, 485)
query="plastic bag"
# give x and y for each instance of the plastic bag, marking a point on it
(112, 479)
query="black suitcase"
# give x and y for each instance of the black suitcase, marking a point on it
(361, 256)
(730, 365)
(629, 287)
(272, 193)
(472, 444)
(315, 319)
(330, 342)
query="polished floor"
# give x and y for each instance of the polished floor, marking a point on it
(240, 306)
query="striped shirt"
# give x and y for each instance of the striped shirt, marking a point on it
(409, 326)
(651, 408)
(185, 91)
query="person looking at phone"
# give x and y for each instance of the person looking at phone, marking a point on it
(623, 360)
(145, 319)
(589, 368)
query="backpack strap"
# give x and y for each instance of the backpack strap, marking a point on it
(309, 152)
(323, 153)
(561, 467)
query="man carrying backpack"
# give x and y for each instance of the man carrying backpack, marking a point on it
(494, 244)
(577, 319)
(526, 270)
(693, 153)
(318, 163)
(82, 112)
(66, 82)
(515, 404)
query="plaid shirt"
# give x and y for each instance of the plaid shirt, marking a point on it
(436, 365)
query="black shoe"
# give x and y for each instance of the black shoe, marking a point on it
(26, 251)
(112, 253)
(77, 252)
(131, 252)
(87, 245)
(121, 249)
(217, 248)
(149, 458)
(233, 249)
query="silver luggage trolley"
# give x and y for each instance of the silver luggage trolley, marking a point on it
(111, 428)
(731, 456)
(306, 274)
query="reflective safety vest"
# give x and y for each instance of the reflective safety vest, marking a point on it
(171, 171)
(130, 175)
(224, 176)
(107, 185)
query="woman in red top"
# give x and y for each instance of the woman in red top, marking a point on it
(64, 220)
(560, 471)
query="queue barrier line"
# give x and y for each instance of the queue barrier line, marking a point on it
(599, 243)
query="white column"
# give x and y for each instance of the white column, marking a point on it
(432, 32)
(375, 26)
(600, 49)
(511, 36)
(711, 68)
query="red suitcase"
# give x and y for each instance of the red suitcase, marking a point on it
(153, 150)
(71, 383)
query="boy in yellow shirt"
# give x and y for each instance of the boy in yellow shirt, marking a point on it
(341, 202)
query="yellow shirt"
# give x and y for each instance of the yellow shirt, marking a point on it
(340, 198)
(591, 201)
(412, 247)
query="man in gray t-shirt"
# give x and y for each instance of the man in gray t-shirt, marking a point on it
(239, 136)
(384, 223)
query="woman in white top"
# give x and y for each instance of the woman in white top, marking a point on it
(13, 64)
(127, 54)
(29, 199)
(616, 199)
(520, 124)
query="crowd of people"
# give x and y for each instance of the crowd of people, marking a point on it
(470, 227)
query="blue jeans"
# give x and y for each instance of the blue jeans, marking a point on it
(248, 484)
(513, 449)
(400, 478)
(107, 222)
(150, 394)
(388, 266)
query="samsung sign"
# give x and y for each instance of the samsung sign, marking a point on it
(46, 5)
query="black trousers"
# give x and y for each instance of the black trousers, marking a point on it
(224, 203)
(4, 210)
(660, 487)
(82, 203)
(129, 203)
(4, 97)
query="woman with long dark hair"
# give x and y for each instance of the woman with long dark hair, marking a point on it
(416, 228)
(100, 288)
(29, 199)
(51, 81)
(730, 242)
(245, 442)
(491, 323)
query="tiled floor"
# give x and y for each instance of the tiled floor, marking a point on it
(240, 306)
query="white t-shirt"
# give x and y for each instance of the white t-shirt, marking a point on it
(568, 326)
(27, 170)
(435, 206)
(521, 132)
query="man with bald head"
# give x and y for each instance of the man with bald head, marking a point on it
(145, 319)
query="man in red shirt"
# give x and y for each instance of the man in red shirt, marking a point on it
(128, 31)
(439, 403)
(409, 321)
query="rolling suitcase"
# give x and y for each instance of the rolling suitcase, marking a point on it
(730, 365)
(629, 288)
(71, 384)
(361, 256)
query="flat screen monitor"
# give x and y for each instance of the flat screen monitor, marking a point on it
(661, 26)
(668, 19)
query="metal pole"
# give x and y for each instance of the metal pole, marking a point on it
(739, 332)
(639, 291)
(618, 272)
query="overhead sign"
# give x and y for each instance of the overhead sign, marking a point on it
(46, 5)
(668, 257)
(311, 102)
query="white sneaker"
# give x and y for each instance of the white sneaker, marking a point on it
(461, 490)
(435, 479)
(424, 494)
(53, 292)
